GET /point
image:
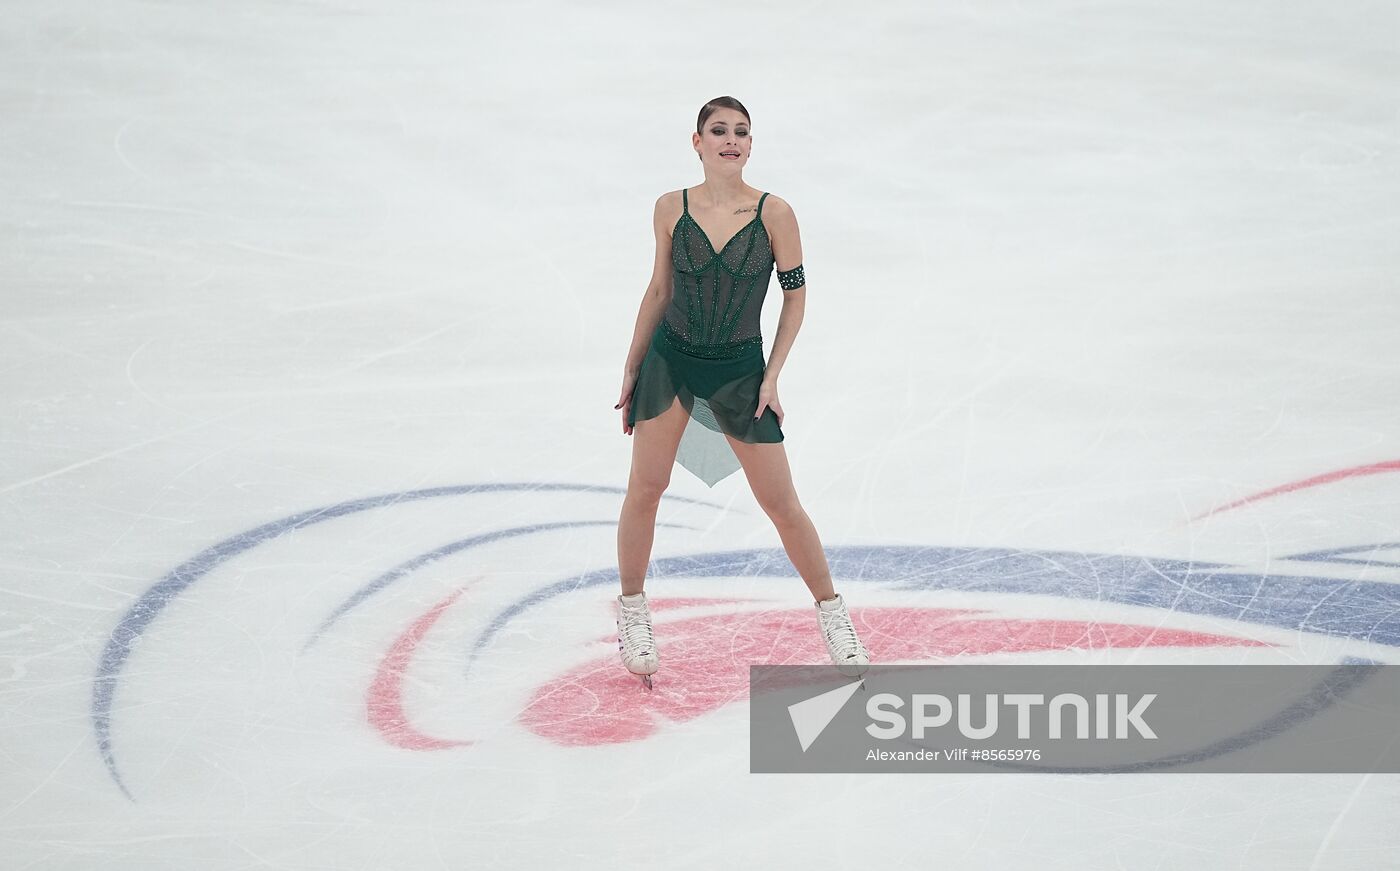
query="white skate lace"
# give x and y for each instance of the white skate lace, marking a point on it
(840, 634)
(636, 631)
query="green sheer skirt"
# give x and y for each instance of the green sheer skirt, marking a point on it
(718, 386)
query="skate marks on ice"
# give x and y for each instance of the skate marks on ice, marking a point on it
(1360, 611)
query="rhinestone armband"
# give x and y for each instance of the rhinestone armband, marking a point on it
(792, 279)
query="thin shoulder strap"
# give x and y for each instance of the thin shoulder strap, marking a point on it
(760, 204)
(685, 199)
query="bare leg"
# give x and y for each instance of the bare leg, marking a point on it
(654, 444)
(766, 467)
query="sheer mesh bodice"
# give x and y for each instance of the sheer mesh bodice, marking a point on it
(717, 295)
(706, 353)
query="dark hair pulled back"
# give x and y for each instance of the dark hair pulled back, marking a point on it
(719, 103)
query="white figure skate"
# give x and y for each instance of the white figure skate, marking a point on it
(635, 643)
(849, 655)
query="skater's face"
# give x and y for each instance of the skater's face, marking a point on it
(725, 139)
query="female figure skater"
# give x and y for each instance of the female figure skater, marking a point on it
(695, 388)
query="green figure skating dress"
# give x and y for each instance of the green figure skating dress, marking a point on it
(707, 348)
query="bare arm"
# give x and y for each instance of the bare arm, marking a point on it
(658, 293)
(781, 224)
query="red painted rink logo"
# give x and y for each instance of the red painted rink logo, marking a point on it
(705, 660)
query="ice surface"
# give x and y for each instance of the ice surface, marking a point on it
(314, 316)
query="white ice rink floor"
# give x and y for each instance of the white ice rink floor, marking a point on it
(314, 316)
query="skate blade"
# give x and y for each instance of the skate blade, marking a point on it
(646, 681)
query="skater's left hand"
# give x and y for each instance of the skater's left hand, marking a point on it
(768, 398)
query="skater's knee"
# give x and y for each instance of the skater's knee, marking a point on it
(647, 489)
(783, 510)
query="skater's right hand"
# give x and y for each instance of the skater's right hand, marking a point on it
(624, 402)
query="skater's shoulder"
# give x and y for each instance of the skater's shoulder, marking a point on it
(670, 197)
(669, 208)
(775, 206)
(778, 215)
